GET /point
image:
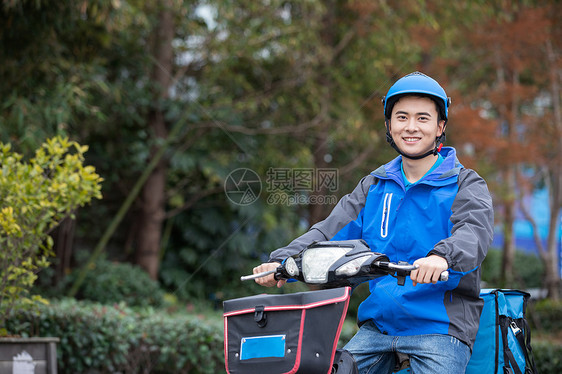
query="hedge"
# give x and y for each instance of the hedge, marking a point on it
(544, 315)
(117, 339)
(548, 356)
(106, 282)
(98, 338)
(527, 272)
(546, 325)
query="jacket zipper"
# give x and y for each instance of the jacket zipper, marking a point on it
(385, 214)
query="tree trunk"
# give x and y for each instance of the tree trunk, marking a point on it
(318, 212)
(507, 116)
(63, 241)
(552, 276)
(152, 197)
(508, 244)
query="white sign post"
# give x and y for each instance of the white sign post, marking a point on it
(23, 364)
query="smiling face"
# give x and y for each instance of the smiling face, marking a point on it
(414, 124)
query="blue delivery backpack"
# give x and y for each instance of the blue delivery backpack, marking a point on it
(503, 341)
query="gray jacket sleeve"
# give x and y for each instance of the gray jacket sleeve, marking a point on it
(473, 224)
(347, 210)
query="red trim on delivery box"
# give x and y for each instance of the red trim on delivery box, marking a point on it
(342, 319)
(299, 349)
(301, 333)
(226, 344)
(294, 307)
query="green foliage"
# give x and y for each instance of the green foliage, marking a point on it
(51, 68)
(544, 315)
(116, 338)
(213, 246)
(349, 329)
(548, 356)
(302, 73)
(528, 268)
(78, 68)
(112, 282)
(35, 196)
(359, 295)
(544, 319)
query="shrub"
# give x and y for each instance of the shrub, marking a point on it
(107, 339)
(35, 196)
(111, 282)
(349, 329)
(548, 356)
(529, 270)
(544, 319)
(544, 315)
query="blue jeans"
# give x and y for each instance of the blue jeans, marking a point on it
(374, 352)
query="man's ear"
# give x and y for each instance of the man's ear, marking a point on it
(441, 127)
(388, 136)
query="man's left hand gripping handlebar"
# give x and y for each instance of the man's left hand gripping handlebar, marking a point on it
(269, 280)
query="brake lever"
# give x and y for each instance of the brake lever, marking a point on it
(403, 269)
(400, 266)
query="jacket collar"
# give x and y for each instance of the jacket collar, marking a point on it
(444, 174)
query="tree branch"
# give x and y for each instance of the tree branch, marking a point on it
(346, 169)
(195, 198)
(343, 43)
(317, 120)
(530, 219)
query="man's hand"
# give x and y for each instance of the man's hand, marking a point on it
(430, 269)
(268, 281)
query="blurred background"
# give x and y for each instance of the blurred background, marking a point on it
(224, 129)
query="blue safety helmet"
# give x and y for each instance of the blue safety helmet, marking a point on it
(417, 84)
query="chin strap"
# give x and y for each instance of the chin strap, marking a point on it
(438, 145)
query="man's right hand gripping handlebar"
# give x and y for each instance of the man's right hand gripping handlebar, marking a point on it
(268, 281)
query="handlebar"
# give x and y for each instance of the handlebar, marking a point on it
(257, 275)
(403, 268)
(407, 268)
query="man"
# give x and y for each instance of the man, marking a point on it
(425, 208)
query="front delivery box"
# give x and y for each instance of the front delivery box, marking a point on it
(290, 333)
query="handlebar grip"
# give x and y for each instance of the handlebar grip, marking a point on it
(444, 277)
(278, 274)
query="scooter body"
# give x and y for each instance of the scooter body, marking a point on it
(298, 333)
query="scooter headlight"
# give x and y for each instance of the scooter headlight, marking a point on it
(291, 267)
(352, 267)
(316, 262)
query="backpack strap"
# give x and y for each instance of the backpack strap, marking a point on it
(508, 357)
(497, 335)
(530, 360)
(523, 334)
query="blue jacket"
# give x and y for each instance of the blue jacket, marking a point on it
(449, 213)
